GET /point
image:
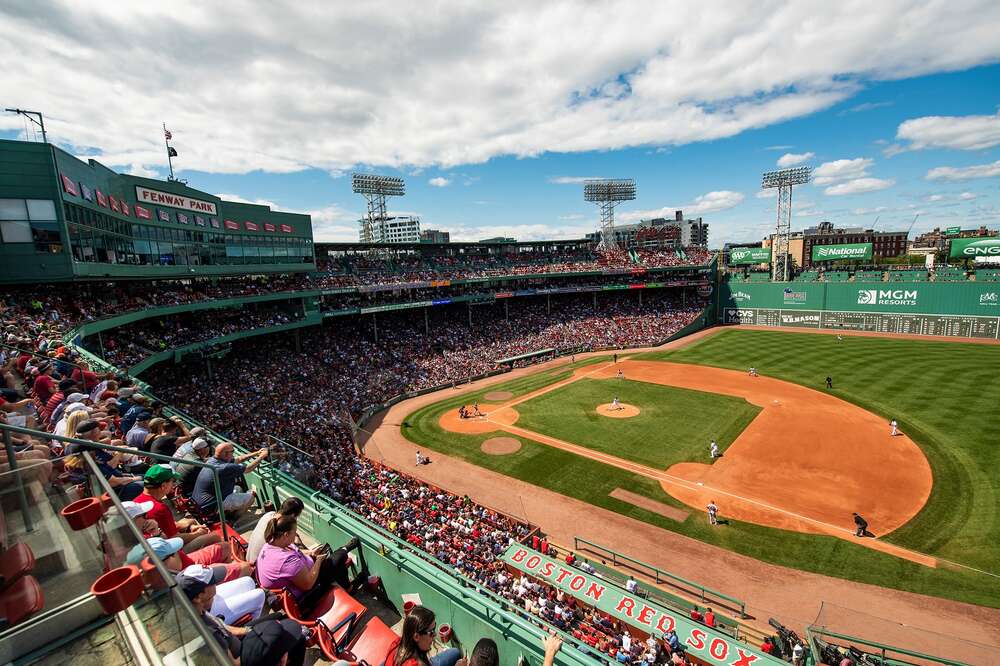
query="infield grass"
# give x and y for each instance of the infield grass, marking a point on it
(674, 424)
(592, 482)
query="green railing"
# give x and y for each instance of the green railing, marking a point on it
(659, 576)
(884, 652)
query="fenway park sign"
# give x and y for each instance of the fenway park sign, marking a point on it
(147, 196)
(708, 645)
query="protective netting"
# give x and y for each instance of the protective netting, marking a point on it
(890, 633)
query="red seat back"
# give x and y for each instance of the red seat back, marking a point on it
(21, 600)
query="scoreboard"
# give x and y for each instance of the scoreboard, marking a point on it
(881, 322)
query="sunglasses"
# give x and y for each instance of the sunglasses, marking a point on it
(429, 632)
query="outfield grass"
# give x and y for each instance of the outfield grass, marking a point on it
(591, 481)
(684, 421)
(945, 395)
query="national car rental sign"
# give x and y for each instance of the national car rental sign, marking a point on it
(147, 196)
(705, 643)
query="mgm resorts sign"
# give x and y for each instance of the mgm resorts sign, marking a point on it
(887, 296)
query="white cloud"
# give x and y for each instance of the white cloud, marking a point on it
(954, 132)
(859, 186)
(690, 74)
(141, 170)
(870, 211)
(766, 194)
(235, 198)
(838, 170)
(522, 232)
(964, 173)
(439, 182)
(866, 106)
(967, 196)
(791, 159)
(572, 180)
(572, 216)
(935, 197)
(778, 147)
(709, 202)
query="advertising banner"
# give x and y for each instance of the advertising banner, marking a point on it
(749, 255)
(845, 251)
(970, 248)
(708, 645)
(951, 231)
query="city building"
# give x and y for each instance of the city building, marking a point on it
(499, 240)
(884, 243)
(62, 219)
(937, 239)
(434, 236)
(660, 232)
(397, 229)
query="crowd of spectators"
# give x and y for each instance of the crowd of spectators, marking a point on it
(352, 363)
(127, 345)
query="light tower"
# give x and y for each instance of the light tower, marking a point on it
(783, 180)
(606, 193)
(375, 189)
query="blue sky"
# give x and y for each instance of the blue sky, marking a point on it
(495, 140)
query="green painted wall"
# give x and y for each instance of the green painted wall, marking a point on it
(964, 309)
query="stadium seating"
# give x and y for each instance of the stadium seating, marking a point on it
(869, 276)
(950, 274)
(987, 275)
(908, 275)
(837, 276)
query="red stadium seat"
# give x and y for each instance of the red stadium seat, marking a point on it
(21, 600)
(14, 563)
(375, 645)
(332, 608)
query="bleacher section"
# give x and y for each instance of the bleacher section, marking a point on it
(950, 274)
(908, 275)
(837, 276)
(807, 276)
(869, 276)
(987, 275)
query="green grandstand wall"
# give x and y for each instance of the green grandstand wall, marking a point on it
(970, 310)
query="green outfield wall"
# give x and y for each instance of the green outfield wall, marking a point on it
(970, 310)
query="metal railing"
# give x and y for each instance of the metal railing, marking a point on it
(87, 444)
(706, 594)
(179, 598)
(885, 652)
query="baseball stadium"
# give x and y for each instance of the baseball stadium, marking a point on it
(655, 452)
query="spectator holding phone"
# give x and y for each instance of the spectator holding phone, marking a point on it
(306, 574)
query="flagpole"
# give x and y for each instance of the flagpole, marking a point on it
(166, 141)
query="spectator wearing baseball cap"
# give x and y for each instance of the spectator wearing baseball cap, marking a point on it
(199, 451)
(271, 641)
(234, 599)
(158, 484)
(126, 486)
(44, 385)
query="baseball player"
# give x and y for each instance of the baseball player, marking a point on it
(616, 357)
(829, 382)
(713, 450)
(860, 524)
(615, 405)
(621, 375)
(713, 513)
(895, 429)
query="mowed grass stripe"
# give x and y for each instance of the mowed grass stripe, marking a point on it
(946, 396)
(592, 482)
(674, 425)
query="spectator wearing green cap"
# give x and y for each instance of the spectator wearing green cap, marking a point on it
(158, 484)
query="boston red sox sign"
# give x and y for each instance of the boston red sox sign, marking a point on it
(706, 644)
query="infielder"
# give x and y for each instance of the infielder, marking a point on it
(621, 375)
(895, 429)
(713, 450)
(713, 513)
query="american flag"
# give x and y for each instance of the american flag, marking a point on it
(167, 134)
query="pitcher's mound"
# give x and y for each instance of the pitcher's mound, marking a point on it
(622, 411)
(498, 396)
(501, 446)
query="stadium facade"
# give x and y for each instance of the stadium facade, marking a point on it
(62, 218)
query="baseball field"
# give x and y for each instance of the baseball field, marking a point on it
(797, 458)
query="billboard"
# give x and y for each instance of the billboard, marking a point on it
(749, 255)
(839, 252)
(970, 248)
